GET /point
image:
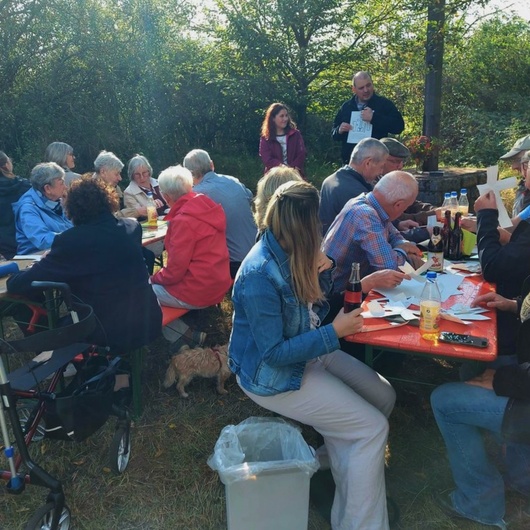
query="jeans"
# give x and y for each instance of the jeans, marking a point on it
(461, 411)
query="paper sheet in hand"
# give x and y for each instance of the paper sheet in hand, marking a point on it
(492, 184)
(415, 274)
(447, 283)
(361, 129)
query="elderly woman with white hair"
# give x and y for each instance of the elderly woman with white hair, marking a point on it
(197, 273)
(108, 168)
(63, 155)
(140, 174)
(39, 214)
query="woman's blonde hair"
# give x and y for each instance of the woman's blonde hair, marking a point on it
(267, 185)
(292, 217)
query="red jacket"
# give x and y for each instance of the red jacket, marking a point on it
(270, 151)
(197, 270)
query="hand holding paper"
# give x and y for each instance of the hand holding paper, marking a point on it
(495, 186)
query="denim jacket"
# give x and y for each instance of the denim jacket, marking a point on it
(271, 335)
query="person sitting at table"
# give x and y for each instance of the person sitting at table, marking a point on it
(265, 189)
(11, 189)
(286, 362)
(39, 215)
(108, 168)
(233, 196)
(140, 174)
(197, 273)
(497, 401)
(100, 258)
(63, 155)
(141, 179)
(363, 230)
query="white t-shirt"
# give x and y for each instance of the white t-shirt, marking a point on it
(282, 139)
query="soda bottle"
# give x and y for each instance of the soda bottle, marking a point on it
(463, 202)
(430, 304)
(353, 296)
(152, 214)
(454, 248)
(435, 250)
(446, 232)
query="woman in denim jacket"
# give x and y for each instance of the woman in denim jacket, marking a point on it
(288, 364)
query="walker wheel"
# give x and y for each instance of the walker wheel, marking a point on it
(42, 518)
(120, 449)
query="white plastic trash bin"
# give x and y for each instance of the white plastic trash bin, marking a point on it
(265, 465)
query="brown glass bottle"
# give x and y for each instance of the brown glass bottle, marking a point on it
(454, 249)
(446, 232)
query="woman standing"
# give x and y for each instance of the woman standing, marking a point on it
(63, 155)
(140, 173)
(281, 142)
(289, 364)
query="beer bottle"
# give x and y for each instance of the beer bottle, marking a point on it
(353, 296)
(454, 249)
(446, 232)
(435, 250)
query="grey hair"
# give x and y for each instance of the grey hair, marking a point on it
(175, 181)
(57, 152)
(45, 173)
(198, 162)
(368, 148)
(107, 160)
(138, 161)
(361, 75)
(396, 186)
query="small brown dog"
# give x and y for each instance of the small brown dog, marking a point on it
(205, 362)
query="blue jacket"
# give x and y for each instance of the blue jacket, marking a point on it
(36, 223)
(271, 336)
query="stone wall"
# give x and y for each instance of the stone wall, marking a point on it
(432, 187)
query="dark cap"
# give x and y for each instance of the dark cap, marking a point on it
(395, 148)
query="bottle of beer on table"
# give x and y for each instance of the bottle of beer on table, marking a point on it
(430, 305)
(435, 250)
(152, 214)
(454, 249)
(446, 232)
(353, 296)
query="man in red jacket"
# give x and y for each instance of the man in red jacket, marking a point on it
(197, 273)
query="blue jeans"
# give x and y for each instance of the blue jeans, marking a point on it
(461, 411)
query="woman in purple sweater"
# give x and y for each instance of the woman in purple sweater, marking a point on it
(281, 142)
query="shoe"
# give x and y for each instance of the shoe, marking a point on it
(191, 339)
(445, 503)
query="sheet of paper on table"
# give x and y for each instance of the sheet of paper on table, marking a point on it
(33, 257)
(495, 185)
(411, 289)
(361, 129)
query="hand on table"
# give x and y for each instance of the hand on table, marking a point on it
(484, 380)
(385, 279)
(469, 224)
(495, 301)
(410, 248)
(347, 323)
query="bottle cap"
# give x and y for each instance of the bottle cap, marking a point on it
(447, 194)
(463, 190)
(454, 194)
(431, 275)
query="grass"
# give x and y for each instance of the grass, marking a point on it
(169, 485)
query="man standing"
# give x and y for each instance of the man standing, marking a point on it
(235, 199)
(513, 156)
(366, 164)
(376, 110)
(363, 231)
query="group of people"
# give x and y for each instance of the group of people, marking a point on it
(289, 251)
